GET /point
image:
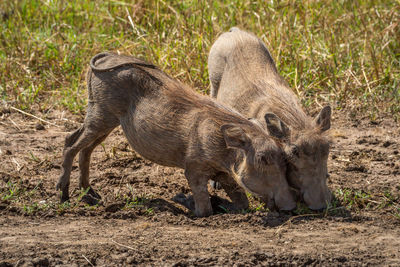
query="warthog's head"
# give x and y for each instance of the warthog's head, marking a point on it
(262, 169)
(307, 156)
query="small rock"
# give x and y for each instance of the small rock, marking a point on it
(39, 127)
(13, 209)
(27, 264)
(131, 260)
(386, 143)
(114, 207)
(356, 168)
(119, 257)
(361, 141)
(4, 110)
(41, 262)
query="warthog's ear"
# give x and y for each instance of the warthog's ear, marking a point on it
(235, 136)
(323, 119)
(276, 127)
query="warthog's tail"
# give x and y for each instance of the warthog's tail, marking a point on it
(111, 62)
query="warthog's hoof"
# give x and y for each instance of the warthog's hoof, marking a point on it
(90, 200)
(186, 201)
(91, 197)
(215, 185)
(218, 204)
(114, 207)
(64, 197)
(221, 205)
(93, 193)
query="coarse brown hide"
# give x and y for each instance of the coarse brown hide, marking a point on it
(170, 124)
(243, 76)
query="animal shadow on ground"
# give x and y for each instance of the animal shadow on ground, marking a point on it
(336, 212)
(219, 205)
(270, 219)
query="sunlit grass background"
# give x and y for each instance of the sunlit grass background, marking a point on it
(346, 53)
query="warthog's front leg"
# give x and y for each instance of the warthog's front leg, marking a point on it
(198, 184)
(96, 127)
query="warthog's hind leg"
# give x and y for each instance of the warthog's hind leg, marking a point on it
(97, 125)
(73, 144)
(84, 163)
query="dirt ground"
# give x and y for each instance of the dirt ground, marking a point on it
(138, 223)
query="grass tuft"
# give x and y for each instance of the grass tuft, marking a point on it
(346, 53)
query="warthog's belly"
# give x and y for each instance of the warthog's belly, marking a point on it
(154, 138)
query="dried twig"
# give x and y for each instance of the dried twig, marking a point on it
(33, 116)
(15, 124)
(295, 217)
(87, 260)
(19, 167)
(134, 28)
(125, 246)
(70, 121)
(178, 16)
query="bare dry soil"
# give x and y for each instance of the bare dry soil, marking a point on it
(138, 223)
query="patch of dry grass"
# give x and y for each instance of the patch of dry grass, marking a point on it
(346, 53)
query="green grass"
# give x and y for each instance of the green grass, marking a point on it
(348, 200)
(29, 199)
(346, 53)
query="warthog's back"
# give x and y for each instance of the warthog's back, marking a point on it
(243, 74)
(159, 115)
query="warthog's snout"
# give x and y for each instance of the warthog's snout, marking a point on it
(317, 200)
(278, 201)
(282, 202)
(286, 206)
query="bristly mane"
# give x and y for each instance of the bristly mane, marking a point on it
(268, 84)
(179, 92)
(186, 96)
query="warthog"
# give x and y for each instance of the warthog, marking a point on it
(243, 76)
(169, 124)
